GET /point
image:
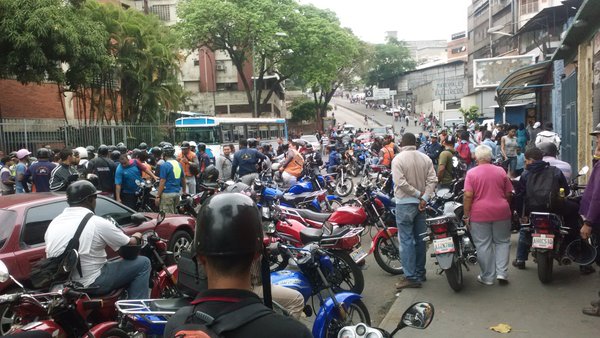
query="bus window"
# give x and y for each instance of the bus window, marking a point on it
(252, 131)
(238, 132)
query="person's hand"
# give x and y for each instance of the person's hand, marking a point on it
(281, 169)
(467, 222)
(422, 205)
(157, 201)
(586, 231)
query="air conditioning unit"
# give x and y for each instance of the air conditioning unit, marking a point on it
(220, 67)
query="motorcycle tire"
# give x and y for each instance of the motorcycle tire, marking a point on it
(354, 171)
(343, 189)
(356, 311)
(114, 333)
(545, 264)
(454, 276)
(387, 255)
(7, 315)
(347, 275)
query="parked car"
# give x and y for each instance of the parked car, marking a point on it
(349, 129)
(391, 111)
(382, 131)
(24, 219)
(312, 139)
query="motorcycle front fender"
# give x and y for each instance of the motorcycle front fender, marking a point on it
(100, 329)
(445, 260)
(333, 198)
(391, 232)
(163, 281)
(328, 311)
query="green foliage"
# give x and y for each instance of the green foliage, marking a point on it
(388, 62)
(472, 113)
(303, 109)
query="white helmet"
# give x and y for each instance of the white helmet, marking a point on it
(193, 144)
(82, 152)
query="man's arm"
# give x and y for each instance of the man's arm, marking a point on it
(159, 190)
(430, 182)
(57, 181)
(234, 166)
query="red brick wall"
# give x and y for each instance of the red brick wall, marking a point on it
(29, 101)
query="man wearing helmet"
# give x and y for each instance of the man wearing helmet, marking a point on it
(172, 181)
(228, 241)
(104, 168)
(127, 172)
(40, 171)
(96, 272)
(550, 152)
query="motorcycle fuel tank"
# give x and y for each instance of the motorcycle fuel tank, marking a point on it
(301, 187)
(348, 215)
(294, 280)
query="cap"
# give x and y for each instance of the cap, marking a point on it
(193, 144)
(596, 130)
(536, 125)
(22, 153)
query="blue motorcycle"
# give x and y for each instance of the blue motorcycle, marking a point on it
(335, 311)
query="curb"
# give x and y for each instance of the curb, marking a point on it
(358, 113)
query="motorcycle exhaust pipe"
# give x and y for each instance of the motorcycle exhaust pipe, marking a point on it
(472, 259)
(565, 260)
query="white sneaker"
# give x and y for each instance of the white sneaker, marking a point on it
(483, 282)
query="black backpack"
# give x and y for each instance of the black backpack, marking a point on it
(48, 271)
(202, 325)
(542, 190)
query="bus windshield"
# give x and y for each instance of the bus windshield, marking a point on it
(208, 135)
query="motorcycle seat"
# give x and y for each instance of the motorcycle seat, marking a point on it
(315, 216)
(172, 304)
(311, 235)
(297, 197)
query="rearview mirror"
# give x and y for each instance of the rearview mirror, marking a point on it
(584, 170)
(418, 316)
(4, 275)
(160, 218)
(138, 218)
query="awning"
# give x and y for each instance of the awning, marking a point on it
(522, 104)
(522, 81)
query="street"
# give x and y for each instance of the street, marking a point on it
(529, 307)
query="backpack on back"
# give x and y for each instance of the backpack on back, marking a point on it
(542, 191)
(464, 153)
(202, 325)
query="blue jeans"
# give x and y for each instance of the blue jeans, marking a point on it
(131, 274)
(523, 245)
(411, 226)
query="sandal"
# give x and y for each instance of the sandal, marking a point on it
(592, 311)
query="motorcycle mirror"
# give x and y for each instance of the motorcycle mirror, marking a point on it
(160, 218)
(584, 170)
(417, 316)
(4, 275)
(138, 218)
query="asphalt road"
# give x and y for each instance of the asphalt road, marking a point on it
(529, 307)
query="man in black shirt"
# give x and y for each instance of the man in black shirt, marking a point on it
(104, 168)
(228, 240)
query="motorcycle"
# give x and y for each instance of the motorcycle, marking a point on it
(146, 195)
(418, 316)
(452, 246)
(342, 181)
(300, 195)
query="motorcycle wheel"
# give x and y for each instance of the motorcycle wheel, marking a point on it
(115, 333)
(7, 316)
(544, 266)
(354, 171)
(347, 275)
(356, 311)
(454, 276)
(344, 188)
(180, 241)
(387, 255)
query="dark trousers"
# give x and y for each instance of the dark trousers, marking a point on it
(129, 200)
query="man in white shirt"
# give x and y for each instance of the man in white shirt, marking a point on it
(547, 135)
(96, 272)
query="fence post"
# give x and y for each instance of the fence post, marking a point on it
(100, 131)
(151, 135)
(125, 136)
(25, 130)
(66, 134)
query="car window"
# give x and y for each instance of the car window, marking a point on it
(120, 214)
(37, 220)
(8, 218)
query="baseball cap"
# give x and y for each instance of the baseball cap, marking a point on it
(596, 130)
(22, 153)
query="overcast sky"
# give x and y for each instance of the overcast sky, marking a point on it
(413, 19)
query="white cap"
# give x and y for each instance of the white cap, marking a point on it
(193, 144)
(536, 125)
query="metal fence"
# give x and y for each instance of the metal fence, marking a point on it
(33, 134)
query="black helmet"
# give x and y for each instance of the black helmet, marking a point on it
(79, 191)
(115, 155)
(548, 149)
(135, 153)
(103, 150)
(143, 146)
(122, 148)
(228, 224)
(252, 142)
(94, 179)
(162, 144)
(90, 149)
(184, 145)
(156, 151)
(112, 148)
(210, 174)
(202, 146)
(43, 153)
(168, 149)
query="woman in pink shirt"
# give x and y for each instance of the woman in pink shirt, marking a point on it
(487, 214)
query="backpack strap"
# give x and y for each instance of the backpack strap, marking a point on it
(230, 320)
(74, 242)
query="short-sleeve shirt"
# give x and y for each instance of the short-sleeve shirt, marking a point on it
(489, 185)
(96, 235)
(20, 168)
(171, 171)
(445, 160)
(126, 177)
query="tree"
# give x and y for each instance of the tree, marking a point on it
(248, 31)
(389, 61)
(470, 114)
(303, 109)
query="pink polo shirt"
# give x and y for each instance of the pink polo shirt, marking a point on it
(489, 185)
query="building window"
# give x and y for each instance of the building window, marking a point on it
(529, 6)
(458, 49)
(162, 11)
(227, 86)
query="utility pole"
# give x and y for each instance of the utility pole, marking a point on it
(146, 8)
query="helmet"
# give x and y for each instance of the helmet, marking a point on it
(156, 151)
(111, 148)
(115, 155)
(43, 153)
(103, 150)
(143, 146)
(252, 143)
(94, 179)
(162, 144)
(184, 145)
(122, 148)
(228, 224)
(581, 252)
(21, 154)
(90, 149)
(82, 152)
(193, 144)
(168, 149)
(210, 174)
(79, 191)
(201, 146)
(135, 153)
(548, 148)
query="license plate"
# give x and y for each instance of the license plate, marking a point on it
(358, 255)
(443, 245)
(542, 241)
